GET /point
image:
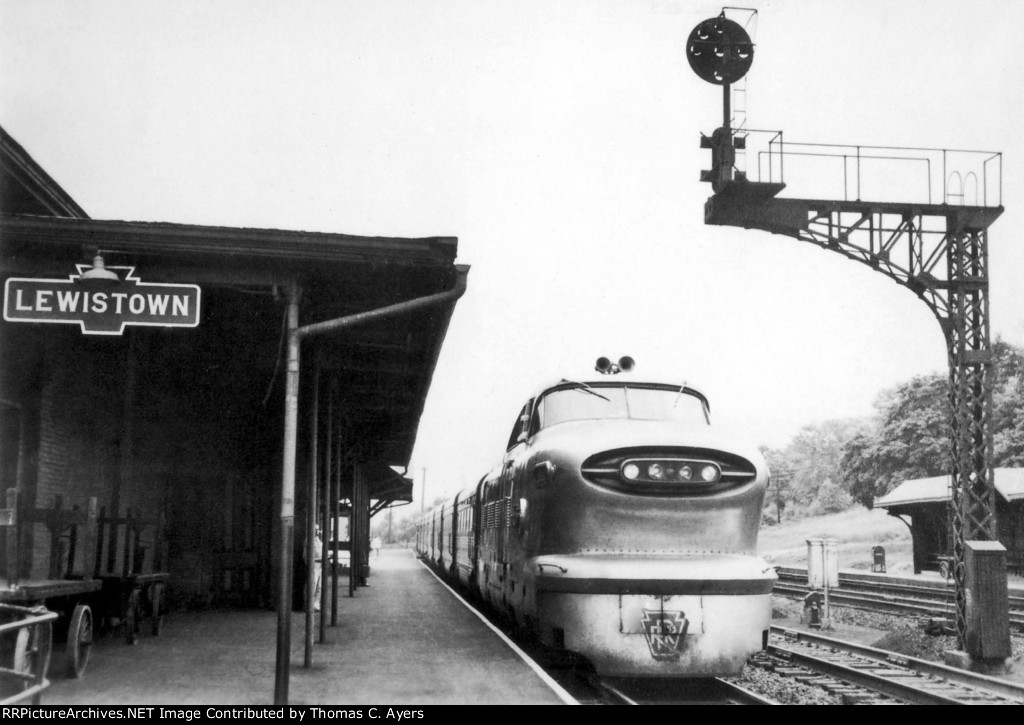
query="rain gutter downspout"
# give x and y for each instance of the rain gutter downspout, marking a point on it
(399, 308)
(296, 335)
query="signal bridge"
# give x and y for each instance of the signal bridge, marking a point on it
(921, 217)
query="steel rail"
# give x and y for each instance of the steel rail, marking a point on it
(874, 681)
(615, 693)
(744, 696)
(889, 583)
(929, 672)
(675, 691)
(860, 600)
(870, 601)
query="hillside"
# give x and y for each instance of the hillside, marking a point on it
(857, 531)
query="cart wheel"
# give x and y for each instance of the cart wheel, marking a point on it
(32, 652)
(156, 608)
(945, 570)
(131, 617)
(14, 662)
(79, 645)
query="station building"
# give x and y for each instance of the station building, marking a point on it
(146, 376)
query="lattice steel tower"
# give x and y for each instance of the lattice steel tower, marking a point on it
(937, 249)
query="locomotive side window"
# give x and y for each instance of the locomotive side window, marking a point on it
(522, 424)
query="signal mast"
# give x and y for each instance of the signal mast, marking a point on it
(937, 250)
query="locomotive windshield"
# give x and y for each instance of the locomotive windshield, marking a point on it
(578, 401)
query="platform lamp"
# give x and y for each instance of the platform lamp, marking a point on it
(99, 274)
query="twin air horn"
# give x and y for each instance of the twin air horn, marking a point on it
(607, 367)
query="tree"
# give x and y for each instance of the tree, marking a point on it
(911, 437)
(1007, 406)
(778, 493)
(830, 498)
(815, 454)
(809, 462)
(911, 440)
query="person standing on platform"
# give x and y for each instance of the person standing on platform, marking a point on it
(318, 557)
(375, 545)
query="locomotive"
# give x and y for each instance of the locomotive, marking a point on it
(620, 525)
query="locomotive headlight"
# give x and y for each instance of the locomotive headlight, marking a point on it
(667, 471)
(684, 473)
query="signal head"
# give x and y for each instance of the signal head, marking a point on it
(720, 51)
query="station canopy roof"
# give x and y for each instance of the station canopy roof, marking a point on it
(1008, 482)
(380, 371)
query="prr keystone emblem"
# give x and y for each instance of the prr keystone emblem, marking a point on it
(101, 310)
(664, 632)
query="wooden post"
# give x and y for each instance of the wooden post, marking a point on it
(100, 538)
(310, 542)
(111, 523)
(353, 564)
(126, 563)
(335, 544)
(69, 566)
(10, 520)
(286, 541)
(325, 511)
(90, 539)
(160, 540)
(52, 519)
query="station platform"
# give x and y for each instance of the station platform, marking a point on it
(404, 640)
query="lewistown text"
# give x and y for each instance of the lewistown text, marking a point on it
(104, 310)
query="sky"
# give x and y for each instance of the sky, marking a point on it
(558, 140)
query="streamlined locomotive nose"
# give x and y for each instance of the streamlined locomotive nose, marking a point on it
(619, 525)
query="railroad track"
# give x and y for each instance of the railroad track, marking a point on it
(864, 675)
(855, 673)
(709, 691)
(888, 594)
(579, 680)
(919, 588)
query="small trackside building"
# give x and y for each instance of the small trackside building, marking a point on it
(924, 505)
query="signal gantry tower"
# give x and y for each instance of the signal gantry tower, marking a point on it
(936, 248)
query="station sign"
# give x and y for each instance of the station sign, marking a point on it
(104, 309)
